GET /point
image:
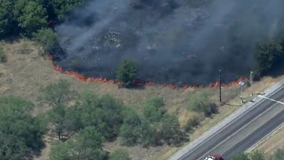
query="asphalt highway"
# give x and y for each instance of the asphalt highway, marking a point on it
(245, 132)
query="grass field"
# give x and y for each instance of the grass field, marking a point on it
(26, 71)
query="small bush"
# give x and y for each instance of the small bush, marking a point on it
(213, 108)
(47, 38)
(126, 73)
(155, 102)
(257, 155)
(193, 122)
(199, 102)
(152, 109)
(170, 130)
(3, 57)
(130, 131)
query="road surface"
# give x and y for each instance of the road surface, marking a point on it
(245, 132)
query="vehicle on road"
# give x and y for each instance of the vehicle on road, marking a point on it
(215, 157)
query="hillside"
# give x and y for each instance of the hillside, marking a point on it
(26, 71)
(128, 79)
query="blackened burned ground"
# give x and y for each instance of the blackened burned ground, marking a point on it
(174, 44)
(179, 73)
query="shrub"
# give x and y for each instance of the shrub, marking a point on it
(126, 73)
(213, 109)
(47, 38)
(130, 131)
(193, 122)
(119, 154)
(199, 102)
(170, 130)
(257, 155)
(152, 109)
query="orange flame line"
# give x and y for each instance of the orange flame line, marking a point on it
(104, 80)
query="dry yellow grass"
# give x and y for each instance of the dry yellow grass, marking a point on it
(225, 110)
(24, 74)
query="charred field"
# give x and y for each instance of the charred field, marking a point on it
(172, 42)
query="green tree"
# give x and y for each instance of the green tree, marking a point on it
(59, 8)
(25, 17)
(57, 117)
(170, 130)
(20, 132)
(105, 113)
(8, 23)
(152, 109)
(277, 155)
(148, 135)
(61, 151)
(267, 55)
(47, 38)
(73, 119)
(31, 16)
(90, 112)
(65, 120)
(241, 156)
(119, 154)
(126, 73)
(56, 94)
(130, 131)
(87, 145)
(257, 155)
(112, 116)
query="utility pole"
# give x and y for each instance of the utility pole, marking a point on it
(220, 85)
(251, 77)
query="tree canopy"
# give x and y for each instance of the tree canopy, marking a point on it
(83, 121)
(27, 17)
(21, 133)
(260, 155)
(126, 73)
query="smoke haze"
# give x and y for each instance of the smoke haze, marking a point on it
(173, 42)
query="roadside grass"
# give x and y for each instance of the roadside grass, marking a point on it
(273, 142)
(26, 71)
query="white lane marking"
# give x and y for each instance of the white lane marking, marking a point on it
(222, 125)
(273, 131)
(240, 129)
(261, 96)
(249, 123)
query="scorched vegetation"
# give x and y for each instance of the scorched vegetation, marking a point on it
(126, 43)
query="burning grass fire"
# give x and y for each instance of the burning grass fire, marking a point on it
(174, 44)
(105, 80)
